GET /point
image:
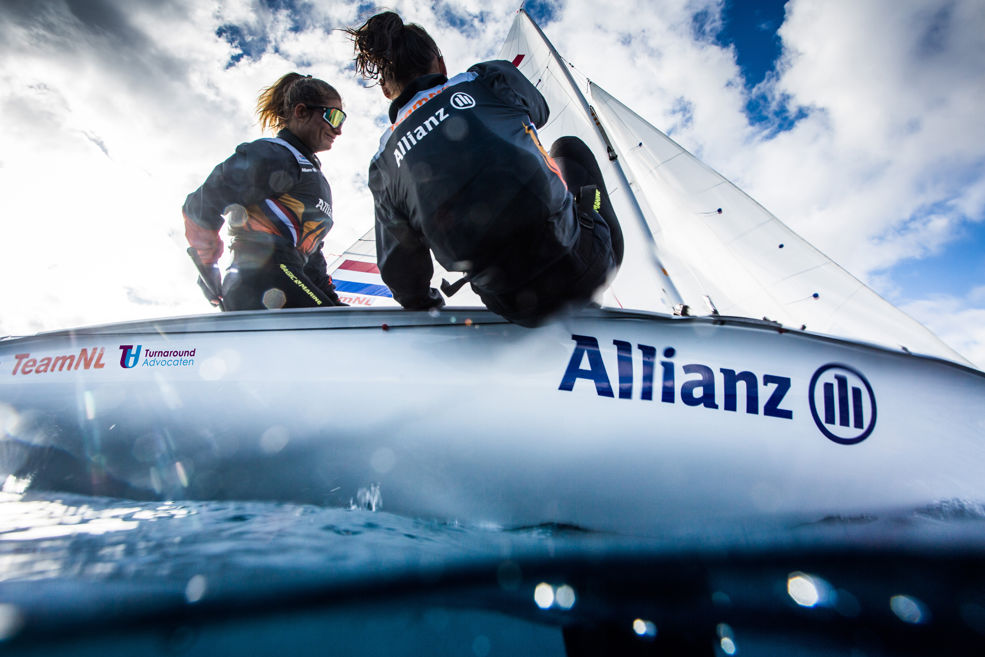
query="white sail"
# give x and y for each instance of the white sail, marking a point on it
(357, 278)
(642, 282)
(722, 250)
(745, 259)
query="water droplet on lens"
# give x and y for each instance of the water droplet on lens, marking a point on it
(544, 595)
(274, 298)
(195, 589)
(565, 597)
(909, 610)
(383, 460)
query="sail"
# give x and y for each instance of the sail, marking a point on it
(722, 251)
(732, 250)
(642, 282)
(357, 278)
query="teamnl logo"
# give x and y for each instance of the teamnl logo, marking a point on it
(130, 357)
(843, 404)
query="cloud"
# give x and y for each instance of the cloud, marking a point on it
(959, 321)
(890, 153)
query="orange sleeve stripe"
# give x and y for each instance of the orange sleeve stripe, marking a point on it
(551, 164)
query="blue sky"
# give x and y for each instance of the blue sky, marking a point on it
(856, 123)
(751, 28)
(956, 266)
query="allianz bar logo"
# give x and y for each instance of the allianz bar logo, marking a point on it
(842, 402)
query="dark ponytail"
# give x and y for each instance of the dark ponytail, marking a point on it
(276, 102)
(390, 51)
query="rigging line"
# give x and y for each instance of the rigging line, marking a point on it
(669, 288)
(558, 116)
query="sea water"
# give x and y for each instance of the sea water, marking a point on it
(101, 576)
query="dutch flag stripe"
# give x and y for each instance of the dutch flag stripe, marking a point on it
(356, 265)
(368, 289)
(356, 276)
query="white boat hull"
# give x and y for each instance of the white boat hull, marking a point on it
(460, 416)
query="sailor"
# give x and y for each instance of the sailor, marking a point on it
(461, 173)
(277, 202)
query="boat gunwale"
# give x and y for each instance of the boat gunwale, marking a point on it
(349, 318)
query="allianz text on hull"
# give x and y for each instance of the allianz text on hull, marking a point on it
(608, 420)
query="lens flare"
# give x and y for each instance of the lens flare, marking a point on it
(544, 595)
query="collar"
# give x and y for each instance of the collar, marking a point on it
(294, 141)
(420, 84)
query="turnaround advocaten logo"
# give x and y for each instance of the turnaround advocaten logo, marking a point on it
(130, 357)
(843, 404)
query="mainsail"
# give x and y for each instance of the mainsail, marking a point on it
(696, 243)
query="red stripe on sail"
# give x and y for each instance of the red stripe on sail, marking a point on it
(517, 60)
(355, 265)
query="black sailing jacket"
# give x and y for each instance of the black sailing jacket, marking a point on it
(287, 199)
(462, 171)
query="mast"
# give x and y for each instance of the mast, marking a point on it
(669, 289)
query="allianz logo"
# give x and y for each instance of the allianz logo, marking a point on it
(461, 100)
(416, 134)
(842, 402)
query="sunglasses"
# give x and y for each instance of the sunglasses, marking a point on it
(333, 115)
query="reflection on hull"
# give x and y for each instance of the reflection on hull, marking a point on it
(608, 420)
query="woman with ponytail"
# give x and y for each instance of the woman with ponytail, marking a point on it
(461, 173)
(277, 202)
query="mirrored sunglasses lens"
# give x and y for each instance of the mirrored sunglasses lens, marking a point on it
(335, 117)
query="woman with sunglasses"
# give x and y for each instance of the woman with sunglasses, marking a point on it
(277, 202)
(461, 173)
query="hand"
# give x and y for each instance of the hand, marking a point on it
(333, 296)
(210, 280)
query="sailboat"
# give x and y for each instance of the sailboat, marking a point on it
(731, 371)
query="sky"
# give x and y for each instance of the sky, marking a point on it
(856, 123)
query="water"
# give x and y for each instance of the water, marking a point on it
(85, 575)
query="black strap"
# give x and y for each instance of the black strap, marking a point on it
(587, 196)
(451, 288)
